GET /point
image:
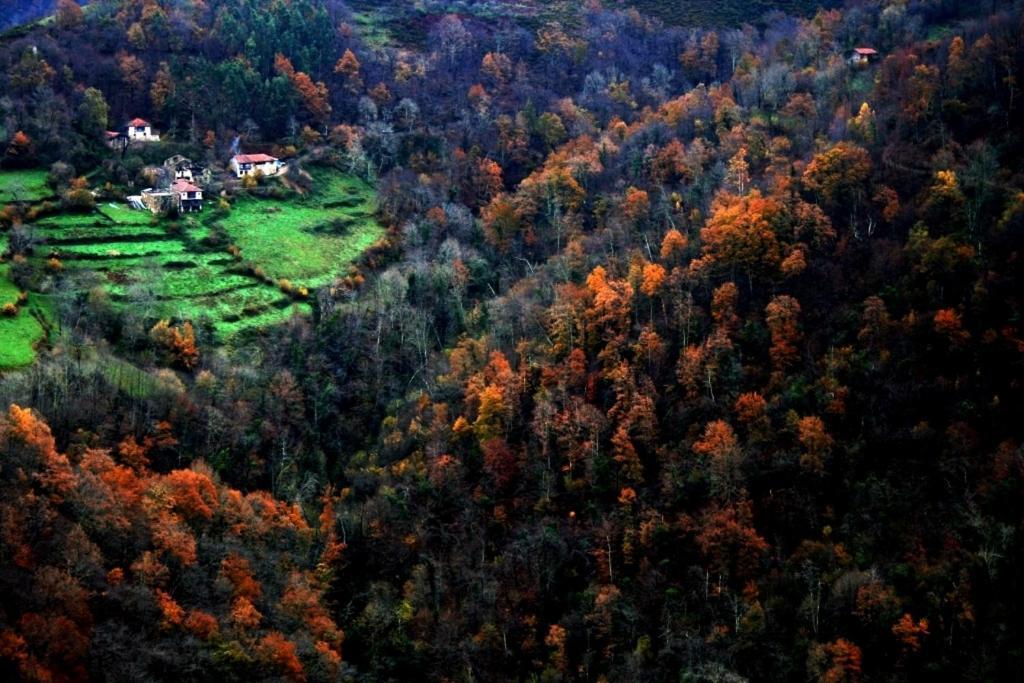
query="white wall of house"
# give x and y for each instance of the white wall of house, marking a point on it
(142, 134)
(191, 197)
(265, 168)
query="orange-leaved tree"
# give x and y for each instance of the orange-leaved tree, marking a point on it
(739, 235)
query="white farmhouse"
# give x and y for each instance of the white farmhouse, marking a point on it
(862, 56)
(190, 197)
(250, 164)
(140, 130)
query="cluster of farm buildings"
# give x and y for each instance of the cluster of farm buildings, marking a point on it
(180, 190)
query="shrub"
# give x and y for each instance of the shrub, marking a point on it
(78, 197)
(10, 215)
(10, 310)
(41, 210)
(21, 270)
(179, 342)
(291, 290)
(60, 175)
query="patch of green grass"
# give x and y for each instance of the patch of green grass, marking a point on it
(98, 233)
(18, 337)
(202, 282)
(226, 330)
(20, 334)
(24, 186)
(311, 240)
(372, 27)
(942, 32)
(131, 380)
(124, 215)
(8, 290)
(72, 220)
(235, 304)
(183, 283)
(99, 227)
(101, 250)
(120, 264)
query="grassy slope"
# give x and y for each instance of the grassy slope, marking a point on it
(26, 186)
(8, 290)
(20, 334)
(372, 28)
(141, 263)
(18, 337)
(294, 241)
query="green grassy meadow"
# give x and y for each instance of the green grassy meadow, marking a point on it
(308, 240)
(20, 334)
(8, 290)
(170, 269)
(23, 186)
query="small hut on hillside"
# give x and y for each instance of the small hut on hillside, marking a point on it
(862, 56)
(140, 130)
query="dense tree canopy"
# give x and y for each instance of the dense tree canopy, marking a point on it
(689, 353)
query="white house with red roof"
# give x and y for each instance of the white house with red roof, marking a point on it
(181, 196)
(190, 197)
(140, 130)
(136, 130)
(862, 56)
(250, 164)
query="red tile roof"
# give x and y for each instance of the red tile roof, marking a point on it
(254, 158)
(865, 51)
(138, 123)
(182, 185)
(113, 134)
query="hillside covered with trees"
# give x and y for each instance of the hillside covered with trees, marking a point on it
(571, 345)
(17, 12)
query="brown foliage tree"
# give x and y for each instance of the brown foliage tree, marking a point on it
(348, 67)
(783, 317)
(739, 234)
(179, 342)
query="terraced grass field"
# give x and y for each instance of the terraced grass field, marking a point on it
(169, 270)
(23, 186)
(8, 291)
(307, 241)
(20, 334)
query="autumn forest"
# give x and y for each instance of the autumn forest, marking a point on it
(548, 341)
